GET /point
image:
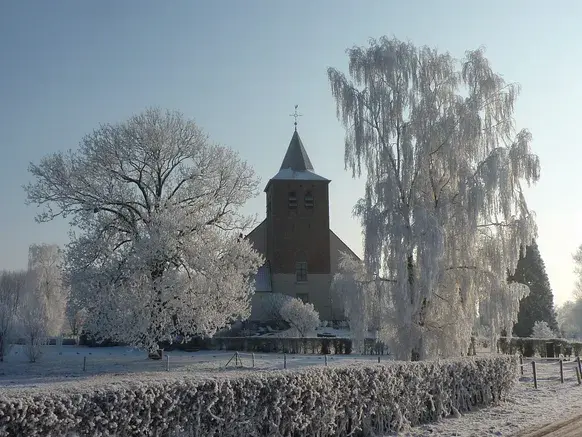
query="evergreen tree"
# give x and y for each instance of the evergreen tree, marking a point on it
(539, 304)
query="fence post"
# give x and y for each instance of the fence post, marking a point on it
(325, 359)
(253, 359)
(578, 376)
(167, 363)
(578, 364)
(378, 359)
(535, 375)
(84, 363)
(521, 364)
(284, 361)
(561, 371)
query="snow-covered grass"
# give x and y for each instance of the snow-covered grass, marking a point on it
(66, 363)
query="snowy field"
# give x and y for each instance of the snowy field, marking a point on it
(66, 363)
(62, 368)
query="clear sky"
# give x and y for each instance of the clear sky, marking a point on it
(238, 68)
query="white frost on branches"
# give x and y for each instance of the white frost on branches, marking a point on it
(11, 290)
(155, 205)
(362, 295)
(45, 268)
(541, 329)
(42, 312)
(269, 306)
(444, 213)
(302, 316)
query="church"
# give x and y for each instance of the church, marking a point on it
(302, 253)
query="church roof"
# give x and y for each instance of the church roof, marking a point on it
(296, 165)
(296, 157)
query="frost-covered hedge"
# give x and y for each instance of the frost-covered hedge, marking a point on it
(290, 345)
(529, 347)
(322, 401)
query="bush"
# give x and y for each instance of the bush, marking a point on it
(302, 316)
(290, 345)
(323, 401)
(529, 347)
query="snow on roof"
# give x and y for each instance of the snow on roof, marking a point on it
(290, 174)
(296, 164)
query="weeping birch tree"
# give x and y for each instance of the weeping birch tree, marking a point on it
(443, 214)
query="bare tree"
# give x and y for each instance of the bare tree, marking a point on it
(11, 290)
(156, 209)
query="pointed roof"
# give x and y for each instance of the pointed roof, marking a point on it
(296, 165)
(296, 157)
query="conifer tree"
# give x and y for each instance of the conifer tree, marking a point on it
(538, 305)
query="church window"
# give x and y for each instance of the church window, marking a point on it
(308, 200)
(292, 200)
(301, 271)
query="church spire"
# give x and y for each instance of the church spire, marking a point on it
(296, 157)
(296, 165)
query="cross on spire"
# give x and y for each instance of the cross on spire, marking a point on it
(295, 115)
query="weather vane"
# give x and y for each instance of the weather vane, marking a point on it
(295, 115)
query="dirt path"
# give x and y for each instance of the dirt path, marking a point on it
(571, 427)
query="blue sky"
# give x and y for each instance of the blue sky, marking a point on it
(239, 67)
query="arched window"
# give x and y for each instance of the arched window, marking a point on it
(308, 200)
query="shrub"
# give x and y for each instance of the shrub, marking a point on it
(323, 401)
(300, 315)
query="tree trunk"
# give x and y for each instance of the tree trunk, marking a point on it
(417, 352)
(157, 271)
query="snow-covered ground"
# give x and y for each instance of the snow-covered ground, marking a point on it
(63, 369)
(524, 408)
(66, 363)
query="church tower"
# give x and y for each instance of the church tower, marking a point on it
(301, 252)
(297, 222)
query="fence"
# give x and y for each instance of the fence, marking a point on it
(284, 361)
(550, 370)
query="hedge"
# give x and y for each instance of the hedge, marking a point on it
(529, 347)
(309, 345)
(324, 401)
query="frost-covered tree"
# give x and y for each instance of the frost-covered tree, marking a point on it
(302, 316)
(444, 214)
(539, 304)
(541, 329)
(362, 295)
(76, 317)
(34, 318)
(156, 212)
(11, 289)
(45, 266)
(577, 257)
(42, 310)
(270, 305)
(569, 317)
